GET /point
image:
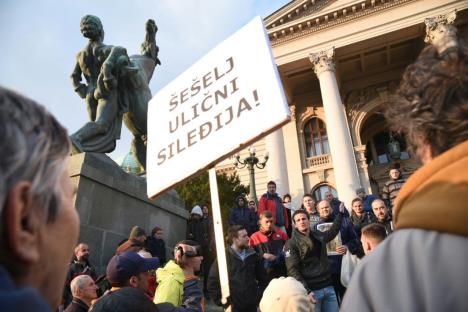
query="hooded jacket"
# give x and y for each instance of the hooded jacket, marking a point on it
(430, 216)
(178, 290)
(244, 216)
(170, 284)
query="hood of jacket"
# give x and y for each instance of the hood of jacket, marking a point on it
(170, 270)
(435, 197)
(237, 202)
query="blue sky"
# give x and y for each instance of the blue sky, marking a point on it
(40, 38)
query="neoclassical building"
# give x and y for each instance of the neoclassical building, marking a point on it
(340, 61)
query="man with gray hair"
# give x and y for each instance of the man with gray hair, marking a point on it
(83, 290)
(79, 265)
(36, 206)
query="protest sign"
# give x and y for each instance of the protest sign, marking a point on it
(224, 102)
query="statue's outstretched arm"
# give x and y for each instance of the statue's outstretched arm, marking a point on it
(149, 47)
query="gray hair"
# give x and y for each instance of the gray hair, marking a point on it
(33, 147)
(78, 283)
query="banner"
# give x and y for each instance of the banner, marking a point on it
(227, 100)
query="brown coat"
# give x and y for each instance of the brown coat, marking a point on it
(436, 196)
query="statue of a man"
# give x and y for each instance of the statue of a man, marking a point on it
(89, 62)
(117, 88)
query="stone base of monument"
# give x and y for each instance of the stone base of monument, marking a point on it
(110, 202)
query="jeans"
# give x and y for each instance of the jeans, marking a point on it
(326, 300)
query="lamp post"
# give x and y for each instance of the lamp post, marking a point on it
(393, 148)
(251, 162)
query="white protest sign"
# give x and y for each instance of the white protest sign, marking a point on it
(225, 101)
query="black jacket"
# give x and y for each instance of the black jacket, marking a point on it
(306, 256)
(74, 269)
(199, 231)
(157, 248)
(77, 306)
(124, 300)
(245, 279)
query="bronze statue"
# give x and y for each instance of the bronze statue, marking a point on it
(116, 88)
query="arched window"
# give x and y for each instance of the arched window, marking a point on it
(319, 191)
(316, 139)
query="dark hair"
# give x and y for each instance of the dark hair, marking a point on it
(233, 232)
(299, 211)
(271, 183)
(432, 104)
(374, 231)
(286, 196)
(308, 195)
(188, 242)
(155, 230)
(266, 214)
(357, 199)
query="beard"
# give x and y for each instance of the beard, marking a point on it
(84, 258)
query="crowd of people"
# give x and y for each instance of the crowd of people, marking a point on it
(412, 241)
(304, 254)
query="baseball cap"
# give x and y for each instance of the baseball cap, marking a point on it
(127, 264)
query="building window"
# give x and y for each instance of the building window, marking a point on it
(319, 192)
(316, 139)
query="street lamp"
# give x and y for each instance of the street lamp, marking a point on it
(393, 147)
(251, 162)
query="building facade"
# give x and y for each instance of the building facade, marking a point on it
(340, 62)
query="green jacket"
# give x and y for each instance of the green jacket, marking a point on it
(170, 284)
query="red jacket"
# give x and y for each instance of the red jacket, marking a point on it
(272, 243)
(270, 205)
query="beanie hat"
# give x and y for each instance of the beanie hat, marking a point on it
(285, 294)
(137, 231)
(360, 190)
(197, 210)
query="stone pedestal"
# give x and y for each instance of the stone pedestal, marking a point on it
(110, 202)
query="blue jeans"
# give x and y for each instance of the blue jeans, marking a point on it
(326, 300)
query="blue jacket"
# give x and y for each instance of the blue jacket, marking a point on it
(368, 199)
(348, 238)
(13, 298)
(245, 216)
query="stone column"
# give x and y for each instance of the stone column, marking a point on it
(341, 147)
(276, 166)
(293, 160)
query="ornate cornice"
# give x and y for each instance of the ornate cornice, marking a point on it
(304, 26)
(356, 99)
(440, 33)
(323, 61)
(294, 12)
